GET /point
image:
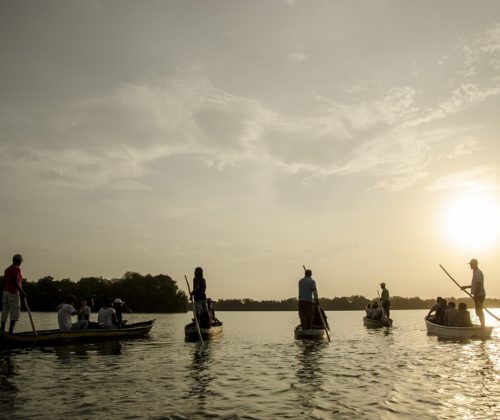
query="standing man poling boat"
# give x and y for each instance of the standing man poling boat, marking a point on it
(12, 293)
(386, 301)
(308, 296)
(199, 295)
(477, 289)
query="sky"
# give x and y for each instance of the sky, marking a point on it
(357, 138)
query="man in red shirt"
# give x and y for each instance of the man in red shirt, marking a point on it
(12, 292)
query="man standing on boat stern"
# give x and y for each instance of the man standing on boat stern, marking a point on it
(198, 293)
(386, 302)
(477, 289)
(308, 296)
(12, 292)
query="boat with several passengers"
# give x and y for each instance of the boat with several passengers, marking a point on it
(376, 323)
(309, 334)
(444, 331)
(207, 331)
(58, 337)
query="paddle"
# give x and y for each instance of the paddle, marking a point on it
(194, 311)
(321, 315)
(31, 318)
(486, 309)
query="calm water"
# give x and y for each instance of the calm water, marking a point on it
(256, 370)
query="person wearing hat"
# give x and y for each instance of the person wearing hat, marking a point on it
(120, 307)
(386, 302)
(12, 292)
(477, 289)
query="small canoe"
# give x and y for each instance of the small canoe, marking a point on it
(58, 337)
(476, 331)
(309, 334)
(207, 333)
(374, 323)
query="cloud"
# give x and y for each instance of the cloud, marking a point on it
(297, 56)
(482, 178)
(386, 134)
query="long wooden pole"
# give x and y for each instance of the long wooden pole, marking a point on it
(31, 318)
(194, 311)
(486, 309)
(321, 315)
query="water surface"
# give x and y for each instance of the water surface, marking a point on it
(257, 370)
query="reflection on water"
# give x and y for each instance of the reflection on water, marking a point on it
(258, 370)
(472, 398)
(309, 375)
(8, 388)
(66, 353)
(199, 373)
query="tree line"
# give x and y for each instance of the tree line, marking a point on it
(142, 293)
(160, 294)
(346, 303)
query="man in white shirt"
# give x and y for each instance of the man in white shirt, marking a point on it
(64, 314)
(308, 296)
(107, 315)
(477, 289)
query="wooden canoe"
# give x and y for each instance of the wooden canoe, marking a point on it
(191, 334)
(309, 334)
(476, 331)
(58, 337)
(374, 323)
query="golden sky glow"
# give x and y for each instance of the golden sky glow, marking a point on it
(358, 138)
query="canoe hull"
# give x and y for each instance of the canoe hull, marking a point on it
(57, 337)
(310, 334)
(458, 332)
(191, 333)
(373, 323)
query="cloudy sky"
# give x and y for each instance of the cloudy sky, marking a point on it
(360, 138)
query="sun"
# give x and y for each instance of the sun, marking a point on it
(472, 221)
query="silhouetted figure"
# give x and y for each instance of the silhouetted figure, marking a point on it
(64, 313)
(376, 312)
(83, 311)
(12, 293)
(463, 316)
(477, 289)
(316, 322)
(434, 308)
(120, 308)
(199, 293)
(450, 315)
(308, 296)
(386, 302)
(107, 315)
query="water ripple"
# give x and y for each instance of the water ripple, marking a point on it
(256, 370)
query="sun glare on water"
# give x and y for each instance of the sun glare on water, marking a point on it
(472, 221)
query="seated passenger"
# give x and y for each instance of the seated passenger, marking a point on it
(107, 316)
(368, 311)
(376, 312)
(120, 308)
(84, 311)
(211, 311)
(434, 308)
(316, 322)
(440, 313)
(463, 316)
(450, 315)
(64, 313)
